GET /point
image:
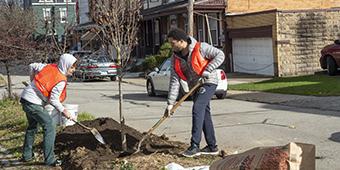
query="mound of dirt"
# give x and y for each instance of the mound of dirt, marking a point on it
(80, 150)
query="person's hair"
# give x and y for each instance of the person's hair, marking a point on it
(178, 34)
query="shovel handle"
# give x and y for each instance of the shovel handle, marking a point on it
(80, 124)
(175, 107)
(186, 96)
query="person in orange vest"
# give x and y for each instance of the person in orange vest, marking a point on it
(191, 61)
(48, 86)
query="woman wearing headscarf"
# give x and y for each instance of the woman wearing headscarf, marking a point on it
(48, 86)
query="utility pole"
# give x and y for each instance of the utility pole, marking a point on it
(191, 17)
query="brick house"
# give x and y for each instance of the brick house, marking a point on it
(279, 38)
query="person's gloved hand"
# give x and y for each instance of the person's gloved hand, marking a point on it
(68, 115)
(167, 112)
(206, 74)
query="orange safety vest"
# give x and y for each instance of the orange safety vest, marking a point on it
(49, 77)
(198, 62)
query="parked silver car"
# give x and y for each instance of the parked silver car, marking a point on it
(158, 82)
(98, 66)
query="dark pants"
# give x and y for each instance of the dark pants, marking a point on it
(36, 114)
(201, 117)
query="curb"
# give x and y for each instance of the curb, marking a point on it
(300, 101)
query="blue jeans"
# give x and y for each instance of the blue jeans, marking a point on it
(201, 116)
(36, 114)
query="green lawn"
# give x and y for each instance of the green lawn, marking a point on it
(317, 85)
(13, 124)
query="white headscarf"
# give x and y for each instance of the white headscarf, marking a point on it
(65, 62)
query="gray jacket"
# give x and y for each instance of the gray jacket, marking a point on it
(216, 57)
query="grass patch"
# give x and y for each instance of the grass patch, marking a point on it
(316, 85)
(85, 116)
(14, 123)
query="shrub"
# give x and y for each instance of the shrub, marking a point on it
(153, 61)
(150, 62)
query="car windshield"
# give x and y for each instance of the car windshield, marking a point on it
(166, 65)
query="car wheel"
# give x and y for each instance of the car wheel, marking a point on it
(83, 77)
(331, 66)
(113, 78)
(221, 95)
(149, 88)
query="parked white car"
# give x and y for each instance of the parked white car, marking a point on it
(158, 82)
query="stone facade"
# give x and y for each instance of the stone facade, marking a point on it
(246, 6)
(300, 37)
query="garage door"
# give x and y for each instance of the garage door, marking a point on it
(253, 55)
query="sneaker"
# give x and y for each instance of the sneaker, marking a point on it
(56, 163)
(192, 151)
(209, 150)
(27, 160)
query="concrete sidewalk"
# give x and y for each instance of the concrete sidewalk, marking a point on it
(329, 103)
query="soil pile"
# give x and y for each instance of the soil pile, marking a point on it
(81, 150)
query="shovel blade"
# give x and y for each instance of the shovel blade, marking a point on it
(97, 135)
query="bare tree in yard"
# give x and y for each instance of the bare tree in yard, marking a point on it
(119, 22)
(16, 28)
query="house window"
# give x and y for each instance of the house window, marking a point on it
(154, 0)
(157, 37)
(63, 15)
(200, 26)
(213, 23)
(47, 13)
(173, 21)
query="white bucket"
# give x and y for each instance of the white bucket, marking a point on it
(73, 110)
(56, 117)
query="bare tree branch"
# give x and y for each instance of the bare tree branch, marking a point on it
(16, 28)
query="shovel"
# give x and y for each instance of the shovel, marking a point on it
(94, 132)
(161, 120)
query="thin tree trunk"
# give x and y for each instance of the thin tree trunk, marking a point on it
(121, 115)
(9, 80)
